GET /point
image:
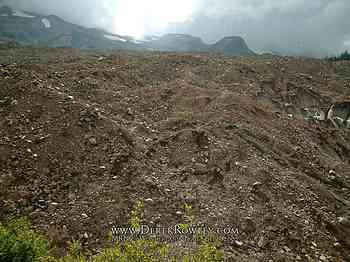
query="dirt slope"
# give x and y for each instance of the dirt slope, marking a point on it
(83, 136)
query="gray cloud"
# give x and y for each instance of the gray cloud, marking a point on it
(91, 13)
(317, 27)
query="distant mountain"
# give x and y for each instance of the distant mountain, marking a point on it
(234, 45)
(33, 29)
(38, 30)
(178, 43)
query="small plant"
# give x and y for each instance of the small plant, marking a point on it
(145, 250)
(75, 254)
(189, 217)
(110, 254)
(209, 251)
(19, 242)
(135, 251)
(184, 115)
(75, 249)
(136, 216)
(207, 248)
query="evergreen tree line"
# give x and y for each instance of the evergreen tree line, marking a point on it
(342, 57)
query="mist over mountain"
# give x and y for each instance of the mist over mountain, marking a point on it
(32, 29)
(314, 28)
(298, 27)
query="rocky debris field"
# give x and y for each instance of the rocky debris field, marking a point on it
(84, 135)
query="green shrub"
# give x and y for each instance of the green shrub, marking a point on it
(189, 218)
(184, 115)
(154, 251)
(19, 243)
(75, 253)
(136, 216)
(137, 251)
(208, 251)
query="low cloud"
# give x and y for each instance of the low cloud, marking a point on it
(317, 28)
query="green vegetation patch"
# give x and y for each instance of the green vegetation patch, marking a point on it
(19, 242)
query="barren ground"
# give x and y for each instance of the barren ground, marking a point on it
(84, 135)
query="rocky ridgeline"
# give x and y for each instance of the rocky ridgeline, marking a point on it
(51, 31)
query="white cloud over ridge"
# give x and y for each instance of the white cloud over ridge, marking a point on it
(317, 27)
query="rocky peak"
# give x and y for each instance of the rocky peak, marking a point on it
(232, 45)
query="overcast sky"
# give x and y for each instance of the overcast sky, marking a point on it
(312, 27)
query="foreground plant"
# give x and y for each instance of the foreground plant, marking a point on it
(19, 242)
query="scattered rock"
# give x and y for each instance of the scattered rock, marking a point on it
(287, 249)
(248, 225)
(261, 242)
(344, 221)
(332, 172)
(78, 160)
(256, 184)
(239, 243)
(92, 141)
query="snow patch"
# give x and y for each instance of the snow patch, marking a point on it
(46, 22)
(153, 38)
(149, 38)
(137, 41)
(115, 38)
(22, 14)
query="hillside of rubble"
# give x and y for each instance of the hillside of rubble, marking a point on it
(84, 135)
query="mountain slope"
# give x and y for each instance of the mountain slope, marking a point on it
(52, 31)
(84, 136)
(178, 43)
(233, 45)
